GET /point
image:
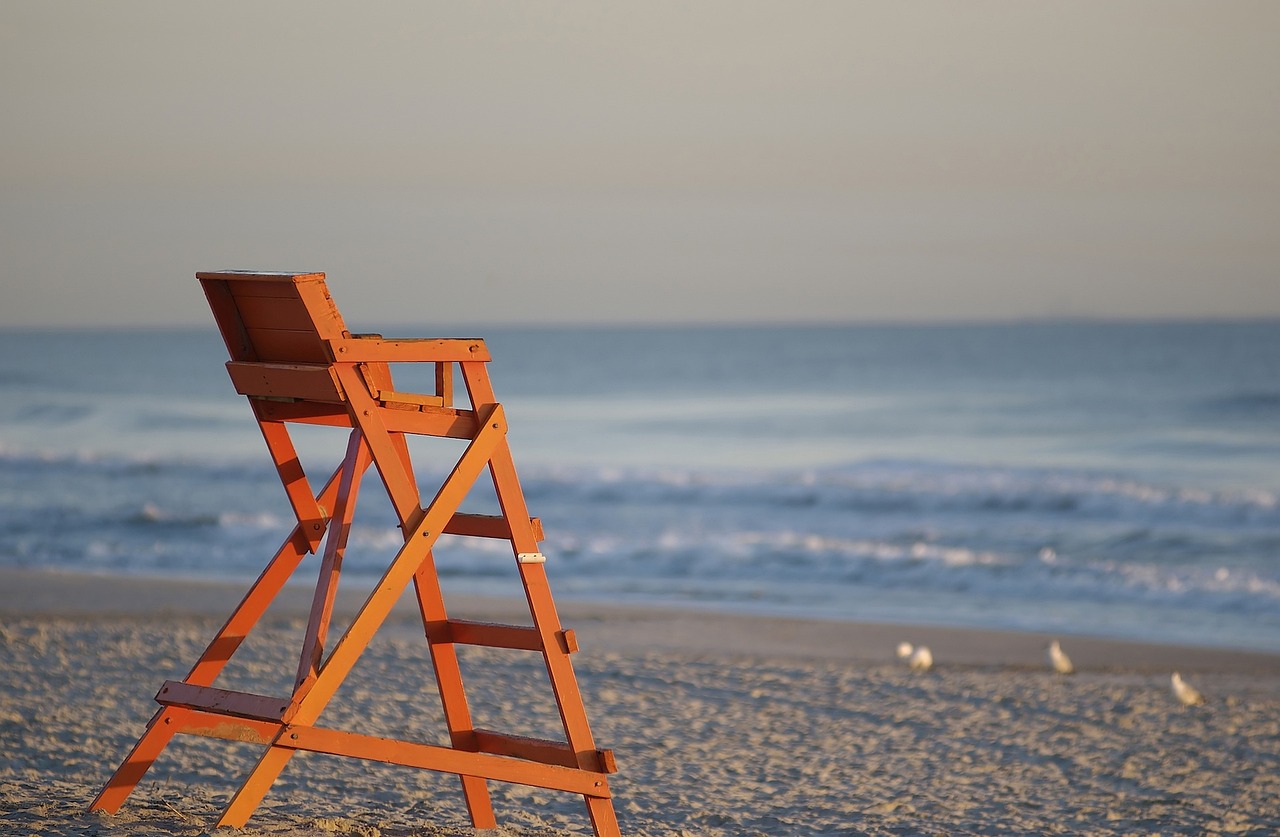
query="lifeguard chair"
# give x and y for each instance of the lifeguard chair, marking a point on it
(294, 359)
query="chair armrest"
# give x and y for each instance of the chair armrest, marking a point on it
(422, 350)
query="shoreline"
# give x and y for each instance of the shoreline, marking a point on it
(623, 628)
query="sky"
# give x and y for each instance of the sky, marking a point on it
(656, 162)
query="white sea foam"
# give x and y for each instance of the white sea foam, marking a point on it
(844, 472)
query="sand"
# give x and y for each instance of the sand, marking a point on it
(722, 725)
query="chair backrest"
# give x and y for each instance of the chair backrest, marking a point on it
(277, 327)
(273, 317)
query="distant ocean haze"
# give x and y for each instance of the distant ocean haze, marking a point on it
(1105, 478)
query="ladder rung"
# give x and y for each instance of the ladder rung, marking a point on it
(487, 526)
(542, 750)
(222, 701)
(516, 637)
(491, 635)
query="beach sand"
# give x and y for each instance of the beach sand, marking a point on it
(721, 725)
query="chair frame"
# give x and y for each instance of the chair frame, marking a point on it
(294, 359)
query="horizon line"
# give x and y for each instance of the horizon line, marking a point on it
(685, 325)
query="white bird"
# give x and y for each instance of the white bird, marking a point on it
(919, 658)
(1059, 660)
(1187, 694)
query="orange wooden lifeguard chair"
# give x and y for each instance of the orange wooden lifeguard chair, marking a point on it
(294, 359)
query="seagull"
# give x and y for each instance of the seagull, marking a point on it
(920, 658)
(1059, 660)
(1187, 694)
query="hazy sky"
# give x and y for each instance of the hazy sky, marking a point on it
(647, 161)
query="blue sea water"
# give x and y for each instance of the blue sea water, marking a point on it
(1118, 479)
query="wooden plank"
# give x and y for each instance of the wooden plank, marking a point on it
(279, 289)
(446, 760)
(431, 421)
(377, 376)
(279, 380)
(487, 526)
(444, 423)
(269, 275)
(354, 465)
(227, 316)
(284, 346)
(274, 312)
(249, 795)
(311, 517)
(221, 701)
(262, 283)
(409, 398)
(492, 635)
(444, 383)
(222, 727)
(541, 750)
(324, 314)
(304, 412)
(421, 350)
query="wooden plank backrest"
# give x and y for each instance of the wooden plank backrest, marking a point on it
(276, 327)
(274, 317)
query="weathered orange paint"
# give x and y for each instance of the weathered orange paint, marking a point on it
(293, 357)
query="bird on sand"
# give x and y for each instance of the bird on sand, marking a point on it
(1186, 694)
(919, 658)
(1059, 660)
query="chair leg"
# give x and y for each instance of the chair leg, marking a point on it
(159, 732)
(255, 786)
(603, 819)
(479, 806)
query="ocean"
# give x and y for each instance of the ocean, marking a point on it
(1091, 478)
